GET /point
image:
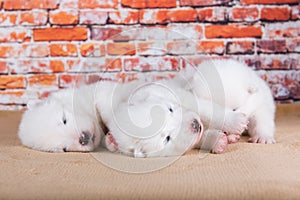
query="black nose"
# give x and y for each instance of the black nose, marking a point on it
(196, 126)
(84, 138)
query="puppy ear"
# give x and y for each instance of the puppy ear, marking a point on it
(33, 103)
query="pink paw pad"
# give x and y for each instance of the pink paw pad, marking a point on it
(111, 143)
(233, 138)
(220, 145)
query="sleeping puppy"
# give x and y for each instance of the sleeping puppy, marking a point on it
(68, 119)
(162, 119)
(237, 87)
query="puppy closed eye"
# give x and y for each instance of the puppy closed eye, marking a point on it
(167, 139)
(64, 120)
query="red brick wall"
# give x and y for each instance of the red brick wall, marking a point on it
(46, 45)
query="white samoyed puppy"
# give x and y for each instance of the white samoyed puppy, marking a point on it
(235, 86)
(163, 119)
(68, 120)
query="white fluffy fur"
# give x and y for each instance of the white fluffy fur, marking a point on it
(151, 125)
(42, 126)
(237, 87)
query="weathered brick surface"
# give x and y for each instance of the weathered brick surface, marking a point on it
(211, 47)
(92, 49)
(271, 46)
(149, 4)
(217, 14)
(63, 50)
(98, 3)
(275, 13)
(247, 14)
(12, 82)
(240, 47)
(56, 34)
(35, 17)
(232, 31)
(46, 45)
(28, 5)
(269, 1)
(203, 3)
(63, 17)
(93, 16)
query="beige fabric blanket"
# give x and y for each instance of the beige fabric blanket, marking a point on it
(245, 171)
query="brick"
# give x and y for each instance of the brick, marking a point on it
(203, 2)
(248, 14)
(275, 13)
(9, 51)
(151, 48)
(149, 4)
(284, 84)
(105, 33)
(30, 66)
(98, 3)
(127, 77)
(28, 5)
(240, 47)
(68, 4)
(124, 17)
(183, 15)
(271, 46)
(102, 65)
(216, 14)
(3, 67)
(35, 50)
(193, 61)
(63, 17)
(211, 47)
(92, 49)
(121, 48)
(34, 17)
(43, 80)
(56, 34)
(181, 47)
(247, 2)
(64, 49)
(8, 18)
(278, 30)
(166, 16)
(295, 12)
(152, 64)
(12, 82)
(12, 107)
(57, 66)
(293, 45)
(183, 31)
(71, 80)
(92, 16)
(232, 31)
(274, 62)
(13, 97)
(14, 35)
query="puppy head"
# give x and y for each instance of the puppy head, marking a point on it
(57, 125)
(153, 128)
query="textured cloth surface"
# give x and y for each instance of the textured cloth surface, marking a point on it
(244, 171)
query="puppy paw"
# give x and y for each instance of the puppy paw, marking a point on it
(110, 143)
(233, 138)
(220, 145)
(235, 123)
(262, 140)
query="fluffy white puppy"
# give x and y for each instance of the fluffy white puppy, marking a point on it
(163, 119)
(237, 87)
(152, 128)
(68, 120)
